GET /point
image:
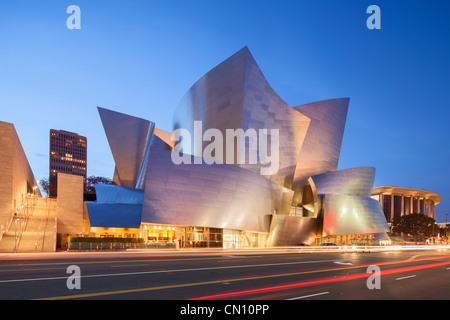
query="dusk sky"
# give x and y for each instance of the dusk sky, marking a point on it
(140, 58)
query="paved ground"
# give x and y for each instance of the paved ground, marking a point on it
(227, 275)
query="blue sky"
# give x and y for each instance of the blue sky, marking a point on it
(140, 57)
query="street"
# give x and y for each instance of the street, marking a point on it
(234, 275)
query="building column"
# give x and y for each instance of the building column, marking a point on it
(392, 207)
(402, 212)
(380, 200)
(432, 209)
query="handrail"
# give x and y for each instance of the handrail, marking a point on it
(6, 225)
(39, 233)
(40, 240)
(23, 223)
(46, 224)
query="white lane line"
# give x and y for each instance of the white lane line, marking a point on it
(129, 265)
(309, 296)
(344, 263)
(118, 261)
(36, 269)
(172, 270)
(406, 277)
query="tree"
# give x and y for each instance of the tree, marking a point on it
(89, 190)
(47, 187)
(415, 225)
(93, 180)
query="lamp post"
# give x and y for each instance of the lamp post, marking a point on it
(433, 232)
(446, 215)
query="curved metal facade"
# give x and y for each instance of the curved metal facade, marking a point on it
(322, 145)
(290, 230)
(235, 95)
(345, 214)
(217, 195)
(354, 181)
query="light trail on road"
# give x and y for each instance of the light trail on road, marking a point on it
(268, 276)
(316, 282)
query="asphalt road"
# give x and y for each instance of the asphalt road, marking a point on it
(403, 275)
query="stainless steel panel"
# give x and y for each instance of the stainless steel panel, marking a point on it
(322, 145)
(292, 230)
(353, 181)
(236, 95)
(345, 214)
(217, 195)
(127, 136)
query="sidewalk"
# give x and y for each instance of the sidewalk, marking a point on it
(133, 253)
(186, 252)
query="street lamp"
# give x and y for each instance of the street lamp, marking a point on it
(446, 215)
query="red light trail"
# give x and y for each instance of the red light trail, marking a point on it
(327, 280)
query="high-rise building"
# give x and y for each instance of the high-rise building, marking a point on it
(68, 154)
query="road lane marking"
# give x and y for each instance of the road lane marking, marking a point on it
(309, 296)
(344, 263)
(125, 261)
(129, 265)
(165, 271)
(35, 269)
(96, 294)
(315, 282)
(407, 277)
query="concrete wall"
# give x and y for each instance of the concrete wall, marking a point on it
(16, 176)
(70, 206)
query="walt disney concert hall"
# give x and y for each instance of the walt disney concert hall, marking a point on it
(233, 203)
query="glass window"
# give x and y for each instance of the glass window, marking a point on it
(397, 206)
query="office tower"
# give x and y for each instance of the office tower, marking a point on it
(68, 154)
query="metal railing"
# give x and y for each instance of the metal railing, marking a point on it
(116, 246)
(22, 219)
(39, 239)
(43, 225)
(6, 225)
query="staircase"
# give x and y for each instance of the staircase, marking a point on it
(33, 228)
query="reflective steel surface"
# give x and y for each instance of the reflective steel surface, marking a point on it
(322, 145)
(236, 95)
(345, 214)
(218, 195)
(292, 231)
(355, 181)
(127, 138)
